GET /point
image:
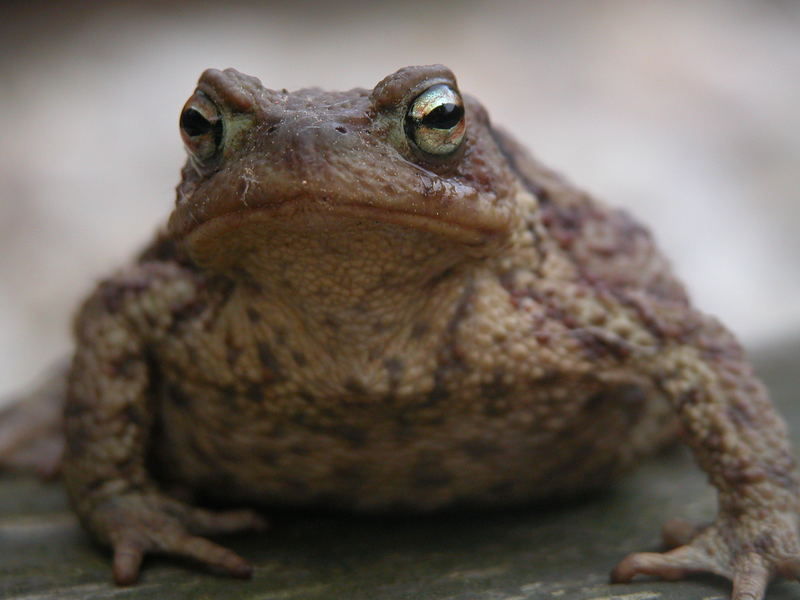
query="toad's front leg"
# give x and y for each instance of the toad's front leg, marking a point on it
(738, 438)
(108, 421)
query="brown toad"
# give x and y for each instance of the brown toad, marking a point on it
(376, 301)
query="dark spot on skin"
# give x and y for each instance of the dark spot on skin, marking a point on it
(228, 394)
(462, 308)
(77, 438)
(495, 389)
(133, 415)
(268, 360)
(596, 472)
(740, 416)
(74, 409)
(440, 277)
(300, 450)
(216, 489)
(233, 353)
(277, 431)
(429, 472)
(566, 221)
(178, 398)
(191, 354)
(503, 488)
(348, 473)
(648, 313)
(356, 436)
(687, 399)
(419, 329)
(253, 315)
(187, 312)
(111, 296)
(507, 280)
(125, 366)
(478, 449)
(270, 457)
(255, 393)
(127, 465)
(431, 418)
(783, 472)
(299, 358)
(764, 544)
(94, 485)
(306, 396)
(280, 335)
(152, 323)
(331, 323)
(247, 280)
(711, 351)
(394, 367)
(221, 449)
(405, 429)
(200, 452)
(630, 400)
(295, 485)
(354, 387)
(742, 472)
(495, 409)
(327, 500)
(114, 294)
(253, 285)
(597, 346)
(549, 378)
(439, 392)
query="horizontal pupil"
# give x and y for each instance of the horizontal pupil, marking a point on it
(444, 116)
(194, 124)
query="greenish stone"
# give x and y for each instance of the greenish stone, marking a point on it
(537, 553)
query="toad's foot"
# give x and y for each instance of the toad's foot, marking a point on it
(140, 523)
(749, 550)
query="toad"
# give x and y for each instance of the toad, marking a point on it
(377, 301)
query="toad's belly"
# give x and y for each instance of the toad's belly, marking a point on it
(389, 456)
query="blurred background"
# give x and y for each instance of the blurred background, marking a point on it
(685, 111)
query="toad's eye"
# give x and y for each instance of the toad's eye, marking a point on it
(435, 120)
(201, 128)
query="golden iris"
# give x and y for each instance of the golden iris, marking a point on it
(435, 120)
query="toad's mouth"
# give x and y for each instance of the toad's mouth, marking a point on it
(473, 223)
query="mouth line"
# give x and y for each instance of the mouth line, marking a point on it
(469, 233)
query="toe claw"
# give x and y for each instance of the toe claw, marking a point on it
(672, 565)
(213, 555)
(127, 561)
(751, 578)
(626, 569)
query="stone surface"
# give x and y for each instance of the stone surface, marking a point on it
(535, 553)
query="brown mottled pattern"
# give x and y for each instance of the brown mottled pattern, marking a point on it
(336, 318)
